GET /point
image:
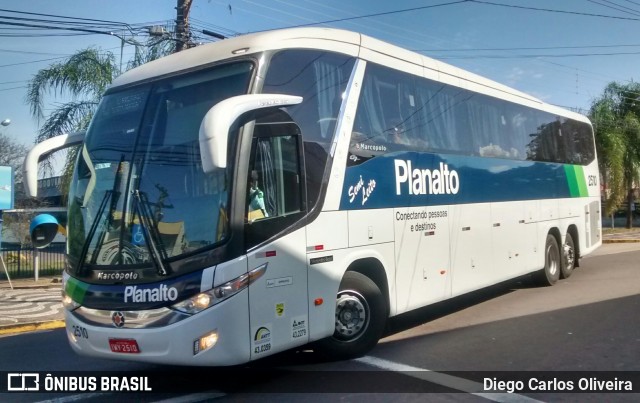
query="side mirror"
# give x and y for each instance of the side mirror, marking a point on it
(41, 151)
(214, 129)
(43, 229)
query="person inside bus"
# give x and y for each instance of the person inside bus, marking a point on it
(397, 133)
(256, 199)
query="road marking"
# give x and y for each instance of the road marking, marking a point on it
(449, 381)
(73, 398)
(195, 397)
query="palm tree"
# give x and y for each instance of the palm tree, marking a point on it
(83, 77)
(12, 154)
(616, 118)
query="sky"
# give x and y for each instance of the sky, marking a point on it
(564, 52)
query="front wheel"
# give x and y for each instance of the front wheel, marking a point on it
(568, 257)
(360, 317)
(551, 272)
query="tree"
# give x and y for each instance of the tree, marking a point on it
(12, 154)
(83, 77)
(152, 50)
(616, 119)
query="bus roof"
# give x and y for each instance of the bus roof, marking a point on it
(336, 40)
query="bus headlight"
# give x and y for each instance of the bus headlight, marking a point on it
(68, 302)
(220, 293)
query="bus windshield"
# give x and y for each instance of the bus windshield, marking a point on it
(139, 195)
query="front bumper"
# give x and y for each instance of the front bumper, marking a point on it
(174, 343)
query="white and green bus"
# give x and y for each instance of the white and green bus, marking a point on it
(302, 186)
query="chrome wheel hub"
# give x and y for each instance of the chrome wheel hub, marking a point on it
(351, 315)
(569, 256)
(551, 261)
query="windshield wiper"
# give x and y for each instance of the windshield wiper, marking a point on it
(92, 230)
(158, 253)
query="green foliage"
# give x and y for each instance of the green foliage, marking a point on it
(83, 77)
(151, 51)
(12, 154)
(616, 120)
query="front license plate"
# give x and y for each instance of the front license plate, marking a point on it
(126, 346)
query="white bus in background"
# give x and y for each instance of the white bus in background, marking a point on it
(269, 191)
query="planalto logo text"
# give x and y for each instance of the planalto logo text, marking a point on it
(160, 294)
(426, 181)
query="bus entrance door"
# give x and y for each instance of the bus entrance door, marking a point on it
(278, 307)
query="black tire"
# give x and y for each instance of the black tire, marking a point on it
(552, 262)
(361, 315)
(568, 257)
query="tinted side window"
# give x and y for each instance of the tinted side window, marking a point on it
(398, 111)
(321, 78)
(274, 189)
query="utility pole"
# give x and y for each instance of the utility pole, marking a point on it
(182, 24)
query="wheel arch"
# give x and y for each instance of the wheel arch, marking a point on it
(374, 269)
(557, 235)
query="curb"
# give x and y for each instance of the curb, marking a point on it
(621, 241)
(22, 284)
(28, 287)
(30, 327)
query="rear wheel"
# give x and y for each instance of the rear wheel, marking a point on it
(568, 257)
(551, 272)
(360, 317)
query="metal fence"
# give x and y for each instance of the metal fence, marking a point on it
(20, 264)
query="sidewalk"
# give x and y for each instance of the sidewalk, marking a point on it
(620, 235)
(30, 305)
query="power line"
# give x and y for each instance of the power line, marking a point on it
(13, 88)
(43, 35)
(525, 48)
(62, 16)
(13, 82)
(536, 56)
(32, 53)
(19, 24)
(33, 61)
(213, 27)
(412, 34)
(615, 6)
(379, 14)
(489, 3)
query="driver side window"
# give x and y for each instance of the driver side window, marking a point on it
(274, 183)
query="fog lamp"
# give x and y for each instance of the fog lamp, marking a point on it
(205, 342)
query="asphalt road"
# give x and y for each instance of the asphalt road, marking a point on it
(588, 323)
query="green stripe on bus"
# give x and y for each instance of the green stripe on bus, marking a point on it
(576, 180)
(76, 289)
(582, 181)
(570, 173)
